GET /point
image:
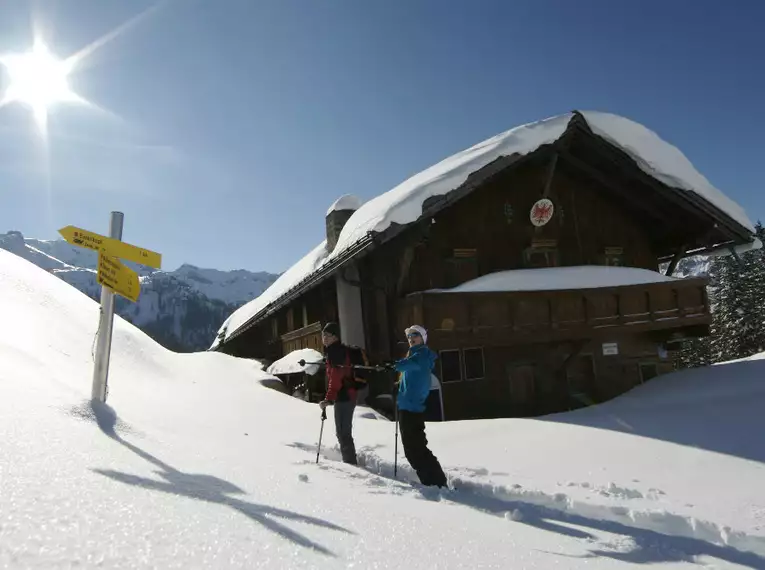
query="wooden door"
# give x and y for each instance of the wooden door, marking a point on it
(580, 375)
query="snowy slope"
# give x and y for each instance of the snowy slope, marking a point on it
(404, 203)
(195, 464)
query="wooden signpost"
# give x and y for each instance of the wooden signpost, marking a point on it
(114, 277)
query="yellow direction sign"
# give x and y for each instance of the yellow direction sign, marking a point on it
(110, 247)
(115, 275)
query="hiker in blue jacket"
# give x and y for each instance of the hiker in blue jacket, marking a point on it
(413, 390)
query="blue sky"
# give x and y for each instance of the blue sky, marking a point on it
(225, 129)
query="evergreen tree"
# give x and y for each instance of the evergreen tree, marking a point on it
(737, 298)
(696, 352)
(738, 293)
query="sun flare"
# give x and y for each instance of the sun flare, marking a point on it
(39, 80)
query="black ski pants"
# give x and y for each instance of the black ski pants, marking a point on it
(344, 430)
(412, 425)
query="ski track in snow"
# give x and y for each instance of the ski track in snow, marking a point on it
(657, 534)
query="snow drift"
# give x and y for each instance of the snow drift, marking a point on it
(290, 363)
(194, 463)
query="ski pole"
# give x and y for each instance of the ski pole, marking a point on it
(357, 366)
(321, 432)
(395, 452)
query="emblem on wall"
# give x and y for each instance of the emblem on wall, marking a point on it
(542, 212)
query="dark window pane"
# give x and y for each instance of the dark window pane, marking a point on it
(451, 366)
(473, 363)
(537, 257)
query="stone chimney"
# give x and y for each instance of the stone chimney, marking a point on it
(337, 215)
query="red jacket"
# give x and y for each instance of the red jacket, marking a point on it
(339, 374)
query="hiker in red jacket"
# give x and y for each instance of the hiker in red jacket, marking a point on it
(341, 391)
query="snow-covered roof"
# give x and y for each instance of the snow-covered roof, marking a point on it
(289, 364)
(286, 281)
(403, 204)
(558, 278)
(345, 202)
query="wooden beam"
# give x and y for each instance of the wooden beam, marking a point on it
(627, 196)
(735, 255)
(548, 184)
(550, 175)
(576, 351)
(675, 260)
(405, 264)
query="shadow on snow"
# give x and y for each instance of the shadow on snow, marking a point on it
(206, 488)
(654, 537)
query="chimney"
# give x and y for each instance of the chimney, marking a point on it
(337, 215)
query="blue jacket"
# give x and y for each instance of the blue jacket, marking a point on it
(414, 387)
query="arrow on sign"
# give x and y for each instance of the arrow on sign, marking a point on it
(110, 247)
(113, 274)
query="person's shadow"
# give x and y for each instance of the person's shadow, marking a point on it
(204, 487)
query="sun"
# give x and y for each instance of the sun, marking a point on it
(39, 80)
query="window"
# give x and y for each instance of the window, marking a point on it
(461, 267)
(290, 320)
(451, 365)
(274, 328)
(542, 253)
(464, 364)
(648, 371)
(613, 257)
(473, 358)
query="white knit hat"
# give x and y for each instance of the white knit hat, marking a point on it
(418, 329)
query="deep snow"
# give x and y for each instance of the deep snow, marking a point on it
(194, 464)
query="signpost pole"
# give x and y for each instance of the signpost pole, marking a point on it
(104, 344)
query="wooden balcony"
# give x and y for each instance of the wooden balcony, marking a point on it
(507, 318)
(306, 337)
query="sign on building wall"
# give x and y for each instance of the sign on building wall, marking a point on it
(610, 349)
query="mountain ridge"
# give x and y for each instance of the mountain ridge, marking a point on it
(180, 309)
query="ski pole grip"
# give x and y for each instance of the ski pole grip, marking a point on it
(324, 414)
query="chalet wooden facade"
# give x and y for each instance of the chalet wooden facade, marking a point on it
(517, 352)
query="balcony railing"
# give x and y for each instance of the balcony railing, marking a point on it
(543, 316)
(306, 337)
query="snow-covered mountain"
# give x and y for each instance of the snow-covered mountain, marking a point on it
(180, 309)
(694, 266)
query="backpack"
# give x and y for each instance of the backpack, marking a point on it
(358, 378)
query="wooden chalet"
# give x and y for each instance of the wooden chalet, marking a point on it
(517, 351)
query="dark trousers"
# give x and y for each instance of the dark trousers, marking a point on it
(415, 443)
(344, 430)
